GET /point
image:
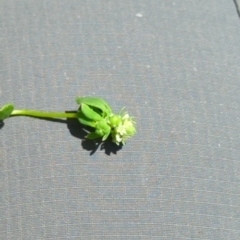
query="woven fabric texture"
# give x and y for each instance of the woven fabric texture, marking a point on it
(174, 65)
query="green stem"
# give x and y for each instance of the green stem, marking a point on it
(41, 114)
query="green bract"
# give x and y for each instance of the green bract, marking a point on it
(114, 120)
(92, 112)
(95, 112)
(96, 103)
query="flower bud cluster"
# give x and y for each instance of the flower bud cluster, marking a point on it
(123, 127)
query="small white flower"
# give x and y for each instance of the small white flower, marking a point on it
(125, 116)
(121, 129)
(124, 129)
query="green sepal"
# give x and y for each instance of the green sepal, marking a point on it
(6, 111)
(105, 136)
(102, 128)
(93, 135)
(95, 102)
(89, 113)
(84, 120)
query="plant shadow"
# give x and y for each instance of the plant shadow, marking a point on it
(1, 124)
(80, 131)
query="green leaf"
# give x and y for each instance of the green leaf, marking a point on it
(6, 111)
(84, 120)
(93, 135)
(95, 102)
(89, 113)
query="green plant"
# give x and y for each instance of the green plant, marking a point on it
(92, 112)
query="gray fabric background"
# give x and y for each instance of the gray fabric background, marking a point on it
(175, 66)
